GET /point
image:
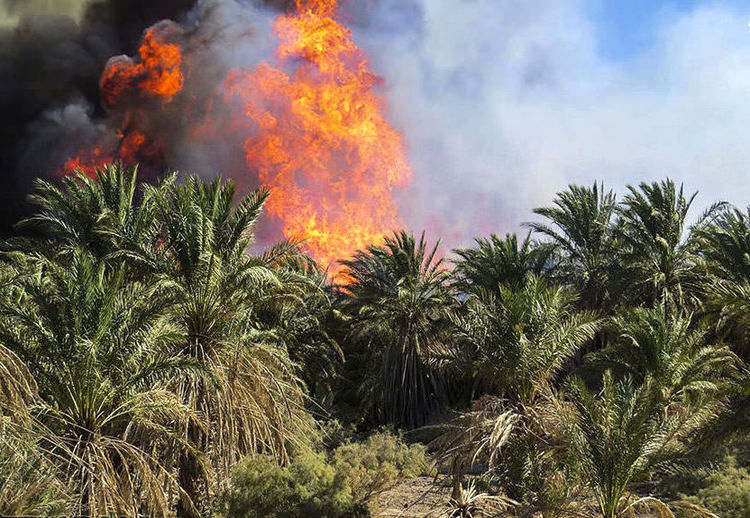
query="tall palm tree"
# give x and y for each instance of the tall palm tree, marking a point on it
(580, 228)
(725, 245)
(96, 348)
(655, 246)
(251, 399)
(494, 262)
(303, 323)
(622, 433)
(398, 301)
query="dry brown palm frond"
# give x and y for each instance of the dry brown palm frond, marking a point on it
(113, 470)
(471, 503)
(17, 386)
(479, 434)
(30, 483)
(633, 506)
(249, 401)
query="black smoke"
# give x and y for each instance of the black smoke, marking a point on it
(49, 93)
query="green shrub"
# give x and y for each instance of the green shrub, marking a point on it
(375, 464)
(311, 486)
(726, 492)
(307, 487)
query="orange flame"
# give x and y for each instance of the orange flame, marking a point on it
(157, 74)
(86, 162)
(322, 143)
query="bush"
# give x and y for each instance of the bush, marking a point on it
(726, 492)
(311, 486)
(307, 487)
(375, 464)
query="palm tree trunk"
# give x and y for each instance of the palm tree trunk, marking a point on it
(190, 476)
(458, 472)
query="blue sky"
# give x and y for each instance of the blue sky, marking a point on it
(625, 28)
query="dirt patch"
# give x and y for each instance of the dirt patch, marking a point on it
(419, 497)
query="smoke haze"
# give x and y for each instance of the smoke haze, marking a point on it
(505, 103)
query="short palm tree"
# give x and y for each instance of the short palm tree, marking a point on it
(399, 301)
(676, 355)
(519, 340)
(655, 246)
(579, 226)
(517, 344)
(494, 262)
(95, 346)
(471, 503)
(621, 433)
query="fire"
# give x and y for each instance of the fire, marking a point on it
(312, 125)
(86, 162)
(158, 72)
(321, 142)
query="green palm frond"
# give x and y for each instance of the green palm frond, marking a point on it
(494, 262)
(667, 347)
(580, 229)
(519, 341)
(656, 248)
(398, 299)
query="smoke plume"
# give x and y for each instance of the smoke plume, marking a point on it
(501, 104)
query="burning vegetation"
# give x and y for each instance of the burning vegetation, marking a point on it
(312, 126)
(321, 141)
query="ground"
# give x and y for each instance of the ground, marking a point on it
(413, 498)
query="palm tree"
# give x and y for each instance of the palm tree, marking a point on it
(620, 434)
(494, 262)
(251, 399)
(677, 356)
(95, 346)
(517, 344)
(580, 229)
(725, 245)
(303, 323)
(659, 259)
(93, 214)
(520, 340)
(398, 301)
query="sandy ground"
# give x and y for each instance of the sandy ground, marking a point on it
(417, 497)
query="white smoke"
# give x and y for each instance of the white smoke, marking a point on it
(505, 103)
